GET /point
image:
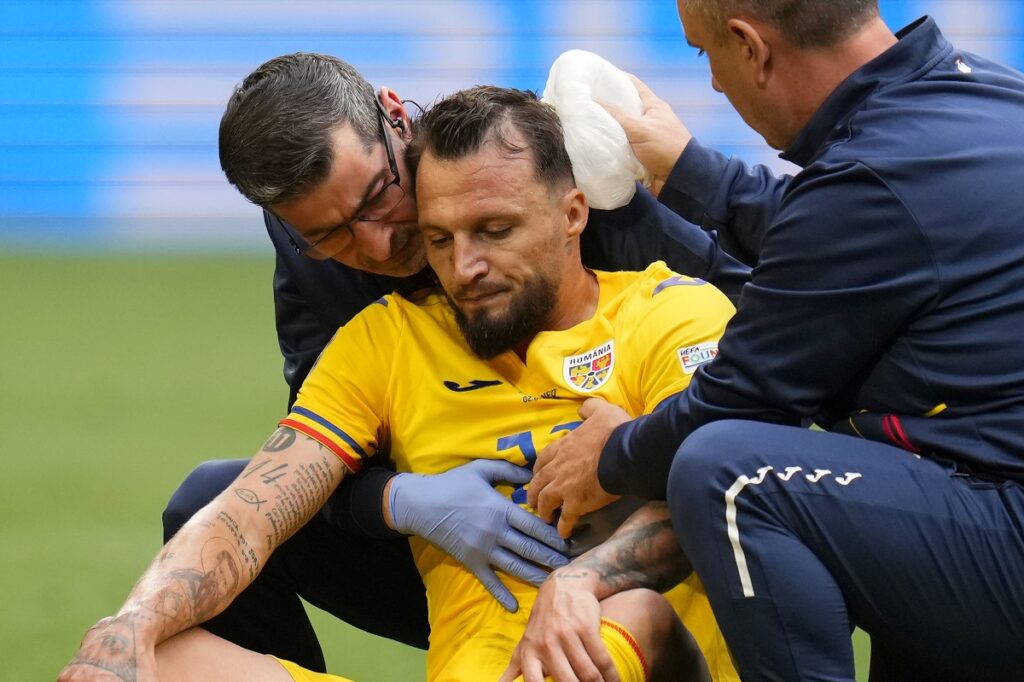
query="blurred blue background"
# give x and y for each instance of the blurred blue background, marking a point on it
(109, 108)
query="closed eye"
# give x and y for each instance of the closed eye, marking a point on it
(371, 208)
(498, 233)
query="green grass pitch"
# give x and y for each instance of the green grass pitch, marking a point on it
(119, 373)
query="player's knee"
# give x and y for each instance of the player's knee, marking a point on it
(647, 615)
(203, 484)
(668, 648)
(674, 653)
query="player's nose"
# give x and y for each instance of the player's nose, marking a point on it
(468, 262)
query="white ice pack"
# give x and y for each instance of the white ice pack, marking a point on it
(604, 165)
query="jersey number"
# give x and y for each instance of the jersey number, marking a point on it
(524, 441)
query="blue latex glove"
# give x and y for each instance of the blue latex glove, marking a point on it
(460, 512)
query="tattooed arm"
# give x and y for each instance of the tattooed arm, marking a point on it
(215, 556)
(643, 552)
(565, 620)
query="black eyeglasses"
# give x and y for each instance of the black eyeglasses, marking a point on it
(374, 209)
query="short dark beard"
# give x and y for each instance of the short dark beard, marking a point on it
(489, 337)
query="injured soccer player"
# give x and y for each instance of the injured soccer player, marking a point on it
(491, 366)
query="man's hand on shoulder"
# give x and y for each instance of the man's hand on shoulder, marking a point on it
(565, 475)
(460, 512)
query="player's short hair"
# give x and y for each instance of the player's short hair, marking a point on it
(459, 125)
(805, 23)
(277, 130)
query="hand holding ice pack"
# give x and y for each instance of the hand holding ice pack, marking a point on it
(604, 165)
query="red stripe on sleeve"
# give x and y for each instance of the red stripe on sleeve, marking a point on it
(348, 460)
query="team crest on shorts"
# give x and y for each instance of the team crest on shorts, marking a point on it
(589, 371)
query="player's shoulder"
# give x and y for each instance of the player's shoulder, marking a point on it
(384, 310)
(659, 284)
(658, 299)
(399, 307)
(401, 318)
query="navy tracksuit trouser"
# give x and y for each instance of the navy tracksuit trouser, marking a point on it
(800, 535)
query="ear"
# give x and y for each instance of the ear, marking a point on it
(577, 212)
(396, 110)
(755, 51)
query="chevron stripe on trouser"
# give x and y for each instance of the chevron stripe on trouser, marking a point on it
(799, 535)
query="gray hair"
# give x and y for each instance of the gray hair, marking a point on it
(805, 23)
(276, 132)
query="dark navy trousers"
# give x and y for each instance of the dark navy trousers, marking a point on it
(800, 535)
(369, 583)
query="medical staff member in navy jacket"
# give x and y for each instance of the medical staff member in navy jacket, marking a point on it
(307, 138)
(886, 305)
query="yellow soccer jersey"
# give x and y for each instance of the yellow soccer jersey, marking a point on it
(400, 379)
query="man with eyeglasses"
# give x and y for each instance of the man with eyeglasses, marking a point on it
(306, 137)
(361, 238)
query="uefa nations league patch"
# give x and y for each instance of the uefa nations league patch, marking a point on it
(589, 371)
(693, 357)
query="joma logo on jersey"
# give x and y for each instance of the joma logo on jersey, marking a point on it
(589, 371)
(693, 357)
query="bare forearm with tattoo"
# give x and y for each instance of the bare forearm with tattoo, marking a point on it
(643, 552)
(565, 621)
(218, 553)
(222, 549)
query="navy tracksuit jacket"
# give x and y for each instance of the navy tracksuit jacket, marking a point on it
(887, 305)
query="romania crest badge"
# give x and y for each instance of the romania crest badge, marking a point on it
(589, 371)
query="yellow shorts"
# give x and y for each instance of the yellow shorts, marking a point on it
(300, 674)
(473, 637)
(461, 611)
(486, 655)
(480, 659)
